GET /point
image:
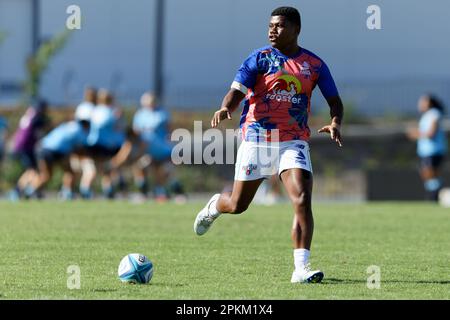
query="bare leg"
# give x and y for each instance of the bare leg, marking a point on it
(239, 199)
(298, 184)
(430, 178)
(89, 173)
(68, 177)
(45, 174)
(140, 178)
(233, 202)
(107, 184)
(75, 168)
(275, 185)
(26, 178)
(161, 174)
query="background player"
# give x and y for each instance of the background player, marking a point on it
(151, 123)
(431, 143)
(32, 126)
(106, 136)
(56, 148)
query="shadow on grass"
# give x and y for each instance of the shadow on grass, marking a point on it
(353, 281)
(104, 290)
(167, 284)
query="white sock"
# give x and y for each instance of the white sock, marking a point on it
(301, 258)
(213, 209)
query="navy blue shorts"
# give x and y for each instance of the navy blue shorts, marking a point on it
(26, 158)
(101, 151)
(434, 162)
(50, 156)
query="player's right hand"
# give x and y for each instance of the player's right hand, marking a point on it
(220, 115)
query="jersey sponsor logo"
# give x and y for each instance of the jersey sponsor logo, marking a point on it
(286, 88)
(305, 68)
(249, 169)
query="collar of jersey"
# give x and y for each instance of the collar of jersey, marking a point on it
(289, 57)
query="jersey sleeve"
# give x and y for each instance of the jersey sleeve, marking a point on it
(434, 115)
(167, 117)
(136, 122)
(247, 74)
(326, 83)
(3, 124)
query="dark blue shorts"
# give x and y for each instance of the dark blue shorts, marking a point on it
(50, 156)
(434, 162)
(101, 151)
(26, 158)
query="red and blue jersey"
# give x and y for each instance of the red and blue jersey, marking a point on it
(278, 92)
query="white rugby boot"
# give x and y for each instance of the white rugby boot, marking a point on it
(204, 218)
(306, 275)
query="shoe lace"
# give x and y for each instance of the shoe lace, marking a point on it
(307, 267)
(208, 218)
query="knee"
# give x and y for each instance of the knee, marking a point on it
(302, 202)
(88, 168)
(44, 177)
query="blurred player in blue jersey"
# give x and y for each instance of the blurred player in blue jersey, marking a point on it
(56, 148)
(431, 143)
(89, 101)
(277, 82)
(82, 163)
(132, 150)
(151, 123)
(106, 136)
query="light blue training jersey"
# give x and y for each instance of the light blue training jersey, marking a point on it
(65, 138)
(153, 128)
(152, 123)
(105, 128)
(436, 145)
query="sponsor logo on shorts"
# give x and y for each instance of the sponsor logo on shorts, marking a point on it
(249, 169)
(300, 157)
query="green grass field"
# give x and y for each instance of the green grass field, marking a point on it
(242, 257)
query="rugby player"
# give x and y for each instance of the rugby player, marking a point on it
(277, 82)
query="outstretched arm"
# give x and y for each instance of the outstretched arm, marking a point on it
(230, 103)
(415, 134)
(121, 156)
(336, 113)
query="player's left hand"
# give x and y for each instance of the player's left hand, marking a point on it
(221, 114)
(335, 132)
